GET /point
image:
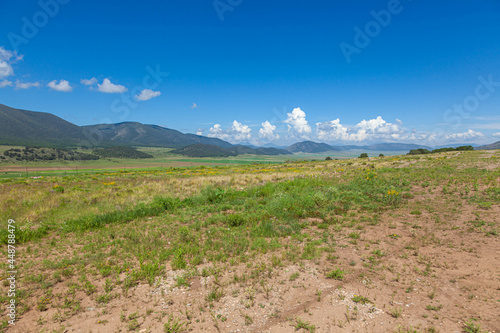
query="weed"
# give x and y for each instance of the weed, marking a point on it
(336, 273)
(305, 325)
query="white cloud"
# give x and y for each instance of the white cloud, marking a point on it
(365, 130)
(147, 94)
(107, 87)
(5, 69)
(267, 131)
(241, 132)
(469, 135)
(497, 135)
(217, 132)
(332, 130)
(7, 58)
(88, 82)
(5, 83)
(63, 86)
(194, 106)
(237, 133)
(199, 131)
(297, 124)
(26, 85)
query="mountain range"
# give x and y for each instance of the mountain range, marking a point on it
(32, 128)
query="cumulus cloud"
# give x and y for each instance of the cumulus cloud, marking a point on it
(267, 131)
(107, 87)
(218, 132)
(241, 132)
(199, 131)
(194, 106)
(237, 133)
(88, 82)
(332, 130)
(147, 94)
(469, 135)
(372, 129)
(7, 58)
(26, 85)
(497, 135)
(63, 86)
(297, 124)
(5, 83)
(378, 128)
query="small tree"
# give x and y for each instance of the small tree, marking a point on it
(328, 158)
(381, 155)
(363, 155)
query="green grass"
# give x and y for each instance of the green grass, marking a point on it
(109, 231)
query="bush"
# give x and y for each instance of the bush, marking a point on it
(363, 155)
(234, 220)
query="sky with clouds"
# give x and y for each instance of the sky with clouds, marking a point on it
(340, 72)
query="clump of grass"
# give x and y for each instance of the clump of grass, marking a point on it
(336, 273)
(471, 326)
(434, 307)
(174, 325)
(305, 325)
(360, 299)
(396, 312)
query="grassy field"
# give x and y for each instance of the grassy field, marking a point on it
(393, 244)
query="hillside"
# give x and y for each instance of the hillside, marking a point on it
(309, 147)
(121, 152)
(396, 146)
(137, 134)
(29, 128)
(492, 146)
(26, 154)
(240, 149)
(315, 147)
(203, 150)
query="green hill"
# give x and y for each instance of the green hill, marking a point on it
(29, 128)
(137, 134)
(44, 154)
(121, 152)
(203, 150)
(309, 147)
(258, 151)
(492, 146)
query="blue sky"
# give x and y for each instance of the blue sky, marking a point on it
(342, 72)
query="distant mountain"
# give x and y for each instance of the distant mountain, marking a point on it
(30, 128)
(315, 147)
(258, 151)
(203, 150)
(396, 146)
(309, 147)
(248, 144)
(121, 152)
(455, 145)
(137, 134)
(271, 145)
(492, 146)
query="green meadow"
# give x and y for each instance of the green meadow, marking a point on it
(95, 236)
